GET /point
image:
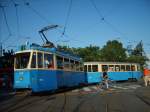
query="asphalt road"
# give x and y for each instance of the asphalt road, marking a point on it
(121, 97)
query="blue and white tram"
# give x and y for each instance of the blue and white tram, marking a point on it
(44, 69)
(117, 71)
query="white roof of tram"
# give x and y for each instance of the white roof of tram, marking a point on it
(109, 63)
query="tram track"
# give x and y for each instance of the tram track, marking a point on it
(142, 98)
(79, 105)
(50, 107)
(3, 108)
(63, 109)
(23, 105)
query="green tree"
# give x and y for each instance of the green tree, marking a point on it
(90, 53)
(113, 51)
(138, 55)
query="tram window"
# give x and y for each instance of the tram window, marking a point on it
(77, 64)
(85, 68)
(59, 62)
(133, 67)
(33, 63)
(48, 61)
(117, 68)
(122, 68)
(104, 68)
(22, 60)
(128, 68)
(72, 65)
(89, 68)
(66, 64)
(111, 68)
(95, 68)
(81, 66)
(138, 67)
(40, 60)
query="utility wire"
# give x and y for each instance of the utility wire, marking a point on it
(73, 39)
(104, 19)
(63, 33)
(8, 28)
(17, 17)
(67, 18)
(4, 13)
(35, 11)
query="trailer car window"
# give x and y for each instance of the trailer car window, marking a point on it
(95, 68)
(128, 68)
(122, 68)
(85, 68)
(104, 68)
(111, 68)
(89, 68)
(133, 67)
(117, 68)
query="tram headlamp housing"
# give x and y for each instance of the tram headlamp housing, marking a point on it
(21, 78)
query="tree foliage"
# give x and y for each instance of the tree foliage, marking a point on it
(113, 51)
(137, 55)
(90, 53)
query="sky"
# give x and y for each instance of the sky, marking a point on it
(87, 22)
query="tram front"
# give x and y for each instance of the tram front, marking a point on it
(22, 78)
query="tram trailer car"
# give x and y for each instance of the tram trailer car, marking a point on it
(45, 69)
(117, 71)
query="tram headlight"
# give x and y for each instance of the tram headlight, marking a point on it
(21, 78)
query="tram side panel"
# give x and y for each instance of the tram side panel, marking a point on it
(70, 78)
(137, 75)
(79, 78)
(118, 76)
(60, 79)
(122, 76)
(36, 80)
(22, 79)
(44, 80)
(94, 77)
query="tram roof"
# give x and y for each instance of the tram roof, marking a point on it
(109, 63)
(28, 48)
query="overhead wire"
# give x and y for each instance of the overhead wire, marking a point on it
(7, 25)
(35, 11)
(62, 33)
(66, 23)
(67, 18)
(104, 19)
(17, 18)
(107, 22)
(5, 17)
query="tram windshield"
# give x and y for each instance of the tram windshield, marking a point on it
(22, 60)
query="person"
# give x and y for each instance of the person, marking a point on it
(105, 78)
(146, 76)
(46, 63)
